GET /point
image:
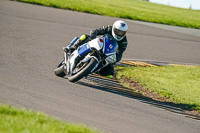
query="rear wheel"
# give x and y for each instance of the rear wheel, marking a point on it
(59, 71)
(82, 69)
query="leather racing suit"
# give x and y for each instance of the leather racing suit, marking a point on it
(108, 70)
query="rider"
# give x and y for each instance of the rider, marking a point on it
(118, 31)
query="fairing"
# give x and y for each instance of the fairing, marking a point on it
(84, 49)
(110, 45)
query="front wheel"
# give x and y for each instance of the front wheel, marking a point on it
(59, 71)
(82, 70)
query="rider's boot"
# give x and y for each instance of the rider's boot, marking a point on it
(82, 39)
(71, 48)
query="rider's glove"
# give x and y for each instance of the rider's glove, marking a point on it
(93, 36)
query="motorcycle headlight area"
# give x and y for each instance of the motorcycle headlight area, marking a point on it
(96, 43)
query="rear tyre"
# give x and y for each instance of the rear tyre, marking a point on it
(59, 71)
(83, 71)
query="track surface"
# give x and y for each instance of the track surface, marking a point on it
(31, 41)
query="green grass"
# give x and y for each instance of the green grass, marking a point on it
(14, 120)
(129, 9)
(180, 84)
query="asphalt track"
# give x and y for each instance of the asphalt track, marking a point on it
(31, 41)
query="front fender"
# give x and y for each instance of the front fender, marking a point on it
(88, 57)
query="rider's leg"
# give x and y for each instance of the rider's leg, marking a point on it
(82, 39)
(108, 70)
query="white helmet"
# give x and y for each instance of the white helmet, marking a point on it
(119, 30)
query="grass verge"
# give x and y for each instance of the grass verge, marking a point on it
(22, 121)
(129, 9)
(180, 85)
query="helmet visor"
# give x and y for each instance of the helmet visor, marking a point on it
(119, 33)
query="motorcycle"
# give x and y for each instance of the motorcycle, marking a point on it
(88, 58)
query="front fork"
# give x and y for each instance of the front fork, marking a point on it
(65, 57)
(66, 64)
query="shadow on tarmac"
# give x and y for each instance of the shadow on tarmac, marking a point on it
(113, 86)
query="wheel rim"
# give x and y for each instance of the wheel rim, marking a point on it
(79, 67)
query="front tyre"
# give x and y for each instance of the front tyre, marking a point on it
(84, 70)
(59, 71)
